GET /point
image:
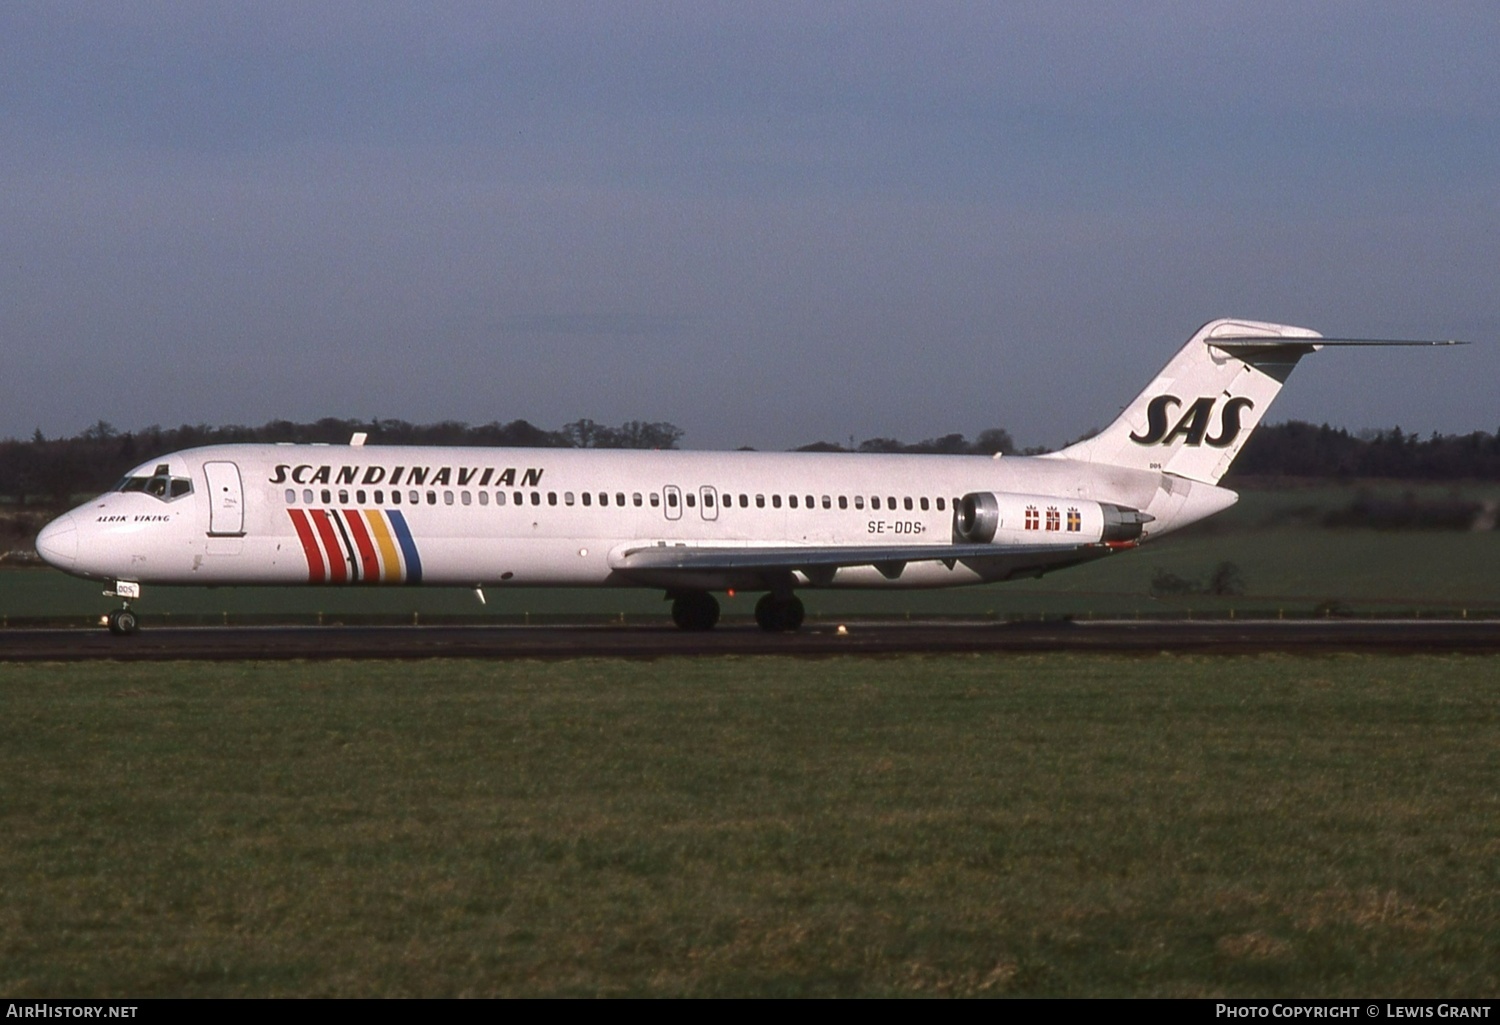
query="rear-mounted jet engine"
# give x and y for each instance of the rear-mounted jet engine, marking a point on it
(986, 517)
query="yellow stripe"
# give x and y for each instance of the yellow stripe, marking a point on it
(388, 557)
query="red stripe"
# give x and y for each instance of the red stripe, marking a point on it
(337, 564)
(370, 574)
(315, 572)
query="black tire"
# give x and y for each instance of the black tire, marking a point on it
(697, 611)
(793, 614)
(123, 623)
(768, 614)
(779, 615)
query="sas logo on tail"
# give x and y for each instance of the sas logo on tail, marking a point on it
(1192, 426)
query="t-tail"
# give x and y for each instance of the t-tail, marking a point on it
(1194, 418)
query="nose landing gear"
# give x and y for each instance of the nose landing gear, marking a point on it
(122, 622)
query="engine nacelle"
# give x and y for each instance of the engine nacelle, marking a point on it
(997, 517)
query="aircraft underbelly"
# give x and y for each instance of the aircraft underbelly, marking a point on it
(553, 562)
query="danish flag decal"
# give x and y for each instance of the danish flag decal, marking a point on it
(357, 546)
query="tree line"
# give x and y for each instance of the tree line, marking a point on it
(1297, 449)
(1292, 449)
(51, 471)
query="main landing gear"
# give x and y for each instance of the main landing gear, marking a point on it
(699, 610)
(695, 610)
(779, 613)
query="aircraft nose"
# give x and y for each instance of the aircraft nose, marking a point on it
(58, 542)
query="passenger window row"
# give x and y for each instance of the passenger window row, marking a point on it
(891, 503)
(380, 496)
(605, 499)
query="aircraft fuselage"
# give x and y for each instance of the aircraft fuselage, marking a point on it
(380, 515)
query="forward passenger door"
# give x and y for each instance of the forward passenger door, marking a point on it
(226, 500)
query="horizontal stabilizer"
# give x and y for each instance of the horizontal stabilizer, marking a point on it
(1311, 344)
(1196, 415)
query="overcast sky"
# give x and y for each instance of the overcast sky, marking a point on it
(767, 223)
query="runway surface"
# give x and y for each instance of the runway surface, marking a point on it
(816, 640)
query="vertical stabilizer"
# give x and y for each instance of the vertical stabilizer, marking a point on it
(1192, 420)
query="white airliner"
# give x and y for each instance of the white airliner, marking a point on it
(688, 523)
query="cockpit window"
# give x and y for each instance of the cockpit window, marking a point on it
(161, 484)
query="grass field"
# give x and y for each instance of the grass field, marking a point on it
(1051, 825)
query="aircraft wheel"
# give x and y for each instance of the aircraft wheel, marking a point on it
(777, 615)
(793, 615)
(697, 611)
(122, 623)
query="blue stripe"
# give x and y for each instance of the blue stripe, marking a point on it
(408, 546)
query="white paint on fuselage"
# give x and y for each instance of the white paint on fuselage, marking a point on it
(137, 537)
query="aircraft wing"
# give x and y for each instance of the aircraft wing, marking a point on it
(996, 562)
